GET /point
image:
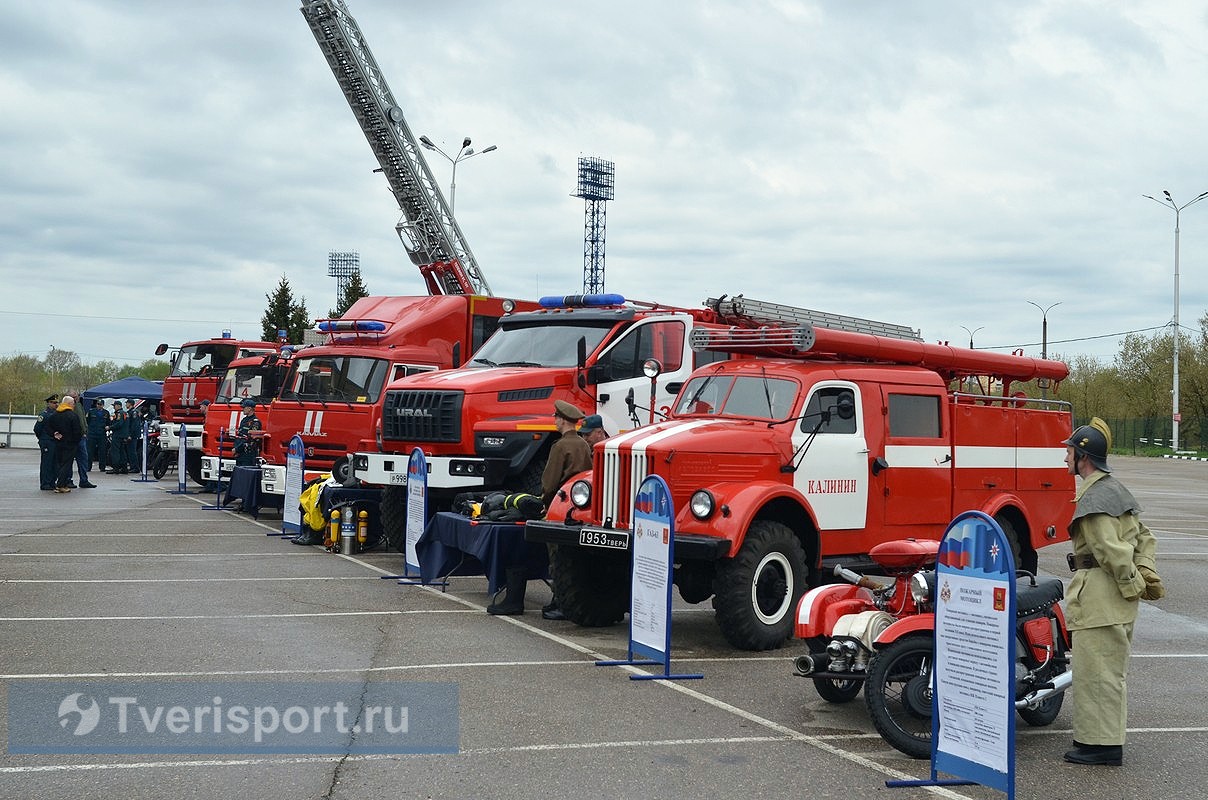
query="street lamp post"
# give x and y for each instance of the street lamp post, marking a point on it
(462, 154)
(1044, 343)
(1174, 392)
(971, 334)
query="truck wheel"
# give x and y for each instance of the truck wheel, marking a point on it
(1024, 559)
(755, 592)
(193, 466)
(393, 508)
(592, 587)
(529, 479)
(341, 471)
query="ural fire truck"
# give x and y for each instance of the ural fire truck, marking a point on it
(332, 396)
(490, 423)
(258, 378)
(836, 438)
(197, 367)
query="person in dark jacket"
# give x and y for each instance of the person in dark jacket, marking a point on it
(118, 431)
(46, 444)
(67, 430)
(98, 448)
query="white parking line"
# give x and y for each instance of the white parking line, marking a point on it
(234, 616)
(189, 580)
(222, 553)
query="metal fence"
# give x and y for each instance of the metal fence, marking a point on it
(1138, 434)
(19, 431)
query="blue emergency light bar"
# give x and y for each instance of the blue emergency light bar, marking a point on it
(331, 326)
(581, 301)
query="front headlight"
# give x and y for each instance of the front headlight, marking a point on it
(920, 588)
(580, 494)
(701, 504)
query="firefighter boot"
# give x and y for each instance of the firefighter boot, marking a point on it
(513, 600)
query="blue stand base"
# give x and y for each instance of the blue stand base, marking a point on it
(667, 675)
(931, 782)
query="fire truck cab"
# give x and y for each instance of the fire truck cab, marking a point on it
(197, 369)
(779, 465)
(258, 378)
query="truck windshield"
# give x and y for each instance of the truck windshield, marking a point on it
(548, 345)
(341, 379)
(193, 359)
(745, 396)
(257, 382)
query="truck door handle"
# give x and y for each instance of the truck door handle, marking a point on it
(879, 464)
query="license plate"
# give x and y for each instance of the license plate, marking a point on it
(398, 479)
(613, 540)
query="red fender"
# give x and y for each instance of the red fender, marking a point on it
(917, 623)
(819, 609)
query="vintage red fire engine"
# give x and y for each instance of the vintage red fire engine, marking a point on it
(857, 434)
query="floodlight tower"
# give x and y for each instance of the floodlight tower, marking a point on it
(342, 266)
(596, 185)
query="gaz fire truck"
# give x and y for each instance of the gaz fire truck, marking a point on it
(332, 396)
(197, 368)
(836, 437)
(258, 378)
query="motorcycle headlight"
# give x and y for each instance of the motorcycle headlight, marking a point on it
(701, 504)
(580, 494)
(920, 587)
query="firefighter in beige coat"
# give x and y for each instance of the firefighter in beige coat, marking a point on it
(1114, 567)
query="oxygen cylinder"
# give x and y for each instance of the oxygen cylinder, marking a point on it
(333, 529)
(348, 533)
(362, 527)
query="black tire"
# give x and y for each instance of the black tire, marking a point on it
(833, 690)
(529, 479)
(193, 466)
(591, 585)
(756, 591)
(341, 471)
(393, 508)
(1025, 559)
(1043, 714)
(160, 467)
(898, 695)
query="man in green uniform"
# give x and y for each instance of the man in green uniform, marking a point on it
(1114, 567)
(247, 445)
(118, 431)
(134, 437)
(98, 419)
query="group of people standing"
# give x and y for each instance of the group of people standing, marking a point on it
(108, 439)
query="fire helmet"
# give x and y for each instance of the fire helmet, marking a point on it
(1093, 441)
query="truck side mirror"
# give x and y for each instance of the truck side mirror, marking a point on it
(630, 401)
(581, 348)
(456, 355)
(163, 348)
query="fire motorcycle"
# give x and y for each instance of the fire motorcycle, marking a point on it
(877, 634)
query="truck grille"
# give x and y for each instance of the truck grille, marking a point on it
(422, 416)
(621, 475)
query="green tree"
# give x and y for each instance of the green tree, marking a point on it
(153, 369)
(284, 313)
(351, 292)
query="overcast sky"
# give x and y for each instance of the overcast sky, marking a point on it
(935, 164)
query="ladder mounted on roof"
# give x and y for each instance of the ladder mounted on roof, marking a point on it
(427, 229)
(740, 310)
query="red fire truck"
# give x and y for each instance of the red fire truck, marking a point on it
(258, 378)
(833, 440)
(197, 368)
(332, 396)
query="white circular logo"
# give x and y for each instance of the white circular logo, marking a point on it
(88, 713)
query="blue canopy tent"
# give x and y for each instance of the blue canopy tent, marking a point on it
(131, 387)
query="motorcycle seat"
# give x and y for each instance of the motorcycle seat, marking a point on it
(1030, 599)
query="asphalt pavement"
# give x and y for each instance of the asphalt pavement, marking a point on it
(131, 583)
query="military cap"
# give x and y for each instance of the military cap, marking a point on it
(567, 411)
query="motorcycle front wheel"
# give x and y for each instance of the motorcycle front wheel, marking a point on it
(837, 691)
(160, 467)
(898, 695)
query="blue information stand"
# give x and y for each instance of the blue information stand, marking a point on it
(291, 514)
(973, 698)
(181, 476)
(651, 576)
(417, 518)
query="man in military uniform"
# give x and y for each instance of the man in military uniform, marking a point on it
(118, 431)
(97, 419)
(569, 456)
(47, 472)
(134, 437)
(247, 445)
(1114, 567)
